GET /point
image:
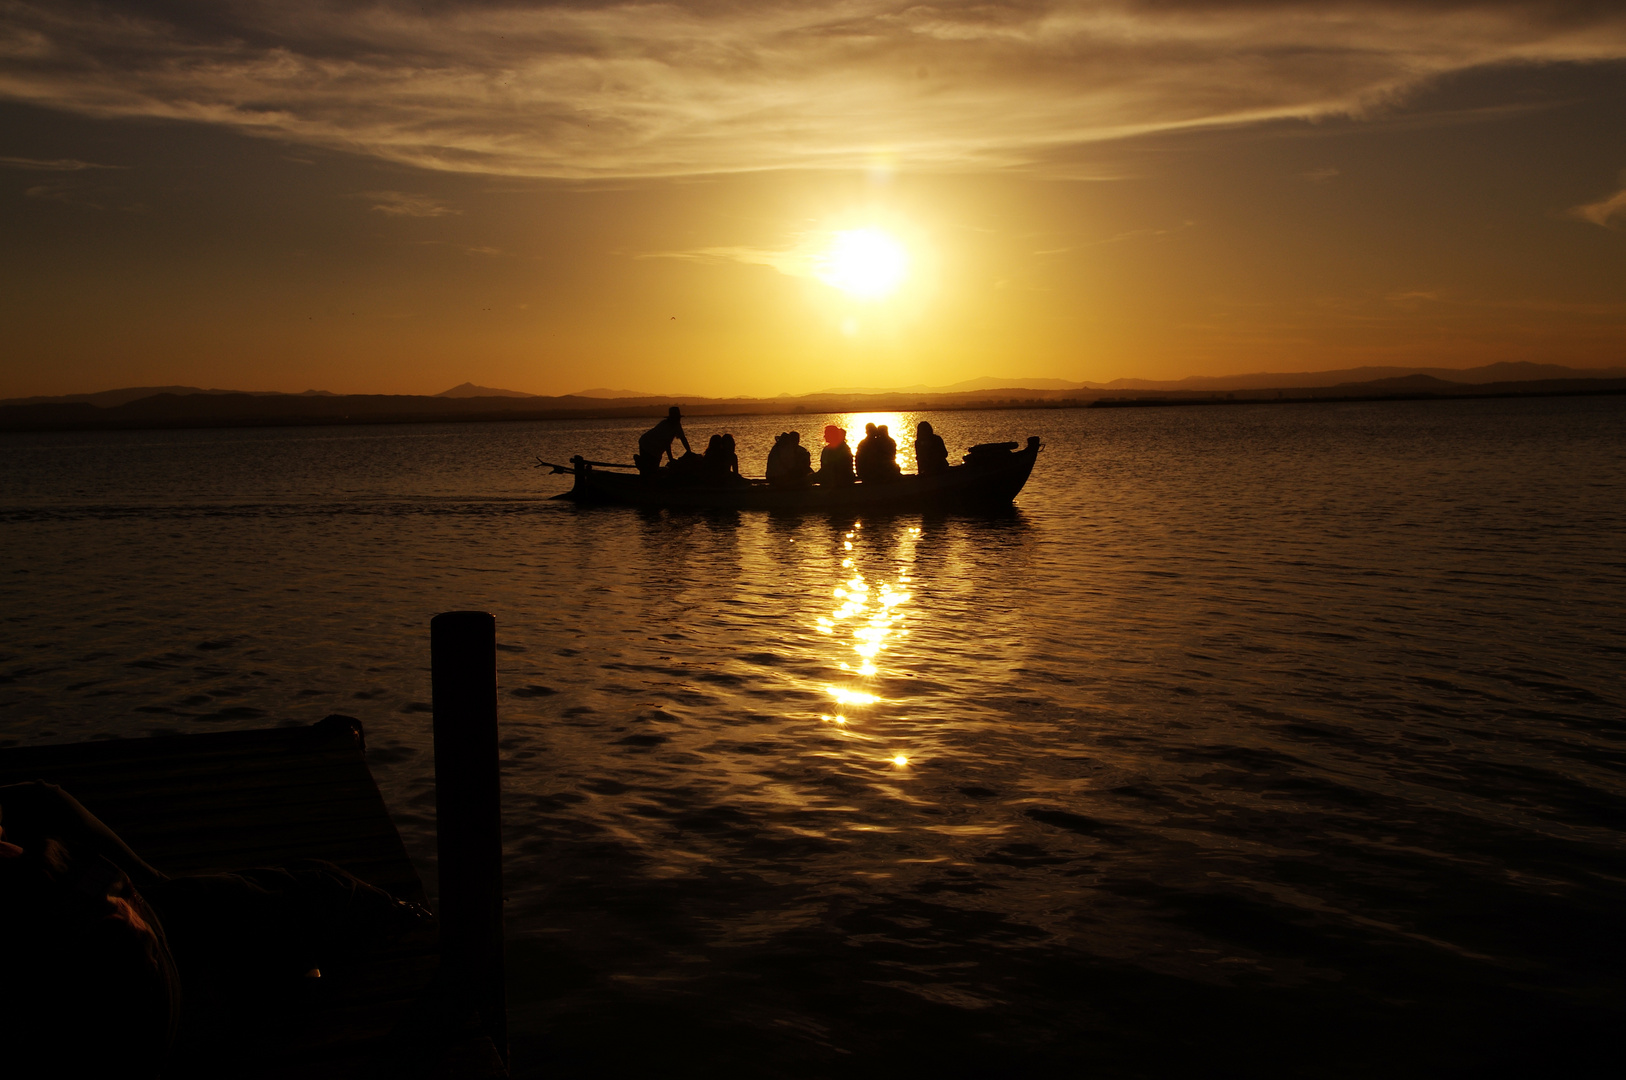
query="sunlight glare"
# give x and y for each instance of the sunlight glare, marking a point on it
(850, 697)
(866, 263)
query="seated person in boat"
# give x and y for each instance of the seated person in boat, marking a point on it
(889, 449)
(931, 454)
(876, 458)
(864, 456)
(656, 443)
(789, 463)
(835, 460)
(722, 461)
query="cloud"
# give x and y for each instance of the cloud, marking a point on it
(799, 259)
(1604, 211)
(48, 191)
(91, 197)
(629, 89)
(1319, 176)
(467, 249)
(58, 165)
(1146, 234)
(405, 204)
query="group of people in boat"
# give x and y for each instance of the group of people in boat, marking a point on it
(790, 465)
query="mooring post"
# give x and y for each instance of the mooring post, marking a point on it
(468, 812)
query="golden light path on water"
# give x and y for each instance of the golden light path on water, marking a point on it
(869, 618)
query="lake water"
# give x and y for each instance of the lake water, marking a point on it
(1282, 739)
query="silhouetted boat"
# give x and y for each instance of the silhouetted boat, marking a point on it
(990, 478)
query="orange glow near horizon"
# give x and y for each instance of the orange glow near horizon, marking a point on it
(903, 199)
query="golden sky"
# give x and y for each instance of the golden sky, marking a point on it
(759, 198)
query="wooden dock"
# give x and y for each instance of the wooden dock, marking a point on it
(229, 800)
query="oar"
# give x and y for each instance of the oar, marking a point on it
(540, 464)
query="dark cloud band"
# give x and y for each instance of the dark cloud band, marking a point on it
(592, 90)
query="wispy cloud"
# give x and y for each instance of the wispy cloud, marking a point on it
(1604, 211)
(627, 89)
(1319, 176)
(78, 194)
(405, 204)
(467, 249)
(798, 259)
(1147, 234)
(49, 191)
(56, 165)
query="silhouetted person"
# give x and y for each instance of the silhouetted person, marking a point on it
(864, 456)
(722, 462)
(835, 460)
(656, 443)
(931, 454)
(876, 459)
(888, 454)
(789, 463)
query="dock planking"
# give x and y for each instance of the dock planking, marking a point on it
(229, 800)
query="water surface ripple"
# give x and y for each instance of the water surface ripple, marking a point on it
(1261, 739)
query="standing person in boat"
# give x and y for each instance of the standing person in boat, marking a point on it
(656, 443)
(931, 455)
(835, 460)
(789, 463)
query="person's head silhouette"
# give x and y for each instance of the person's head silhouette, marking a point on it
(674, 413)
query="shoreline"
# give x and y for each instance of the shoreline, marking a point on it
(204, 411)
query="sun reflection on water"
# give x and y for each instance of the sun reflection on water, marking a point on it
(869, 619)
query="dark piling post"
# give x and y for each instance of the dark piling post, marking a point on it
(468, 812)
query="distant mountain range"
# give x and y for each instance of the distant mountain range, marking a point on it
(602, 394)
(1478, 376)
(468, 390)
(1264, 380)
(107, 399)
(190, 407)
(988, 382)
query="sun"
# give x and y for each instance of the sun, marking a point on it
(865, 263)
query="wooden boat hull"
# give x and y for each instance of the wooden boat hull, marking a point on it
(963, 488)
